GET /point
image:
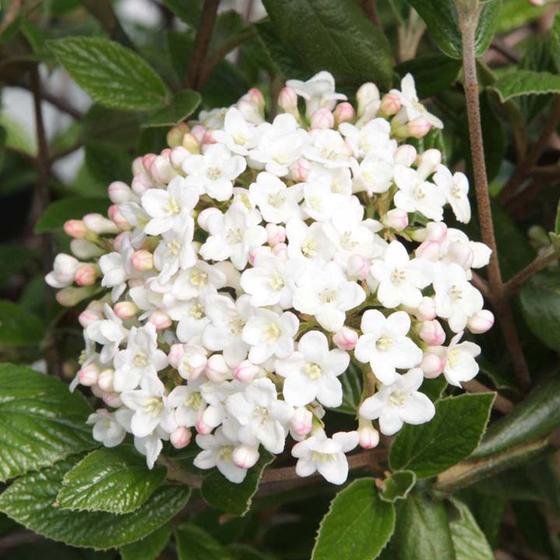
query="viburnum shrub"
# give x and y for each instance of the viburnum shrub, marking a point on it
(252, 253)
(250, 263)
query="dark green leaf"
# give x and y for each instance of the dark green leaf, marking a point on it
(434, 388)
(31, 501)
(351, 381)
(526, 82)
(110, 126)
(358, 524)
(13, 260)
(195, 544)
(148, 548)
(74, 207)
(114, 480)
(188, 11)
(397, 486)
(183, 104)
(244, 552)
(422, 530)
(111, 74)
(234, 498)
(452, 435)
(41, 422)
(469, 541)
(18, 327)
(106, 163)
(432, 73)
(333, 35)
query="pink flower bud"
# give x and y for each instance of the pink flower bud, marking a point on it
(280, 250)
(87, 317)
(345, 339)
(140, 184)
(300, 170)
(142, 260)
(245, 457)
(111, 399)
(390, 104)
(405, 155)
(368, 435)
(117, 218)
(75, 228)
(117, 242)
(125, 310)
(481, 321)
(175, 135)
(198, 131)
(358, 267)
(255, 95)
(437, 231)
(322, 119)
(190, 361)
(138, 166)
(366, 95)
(275, 234)
(396, 219)
(147, 161)
(88, 375)
(119, 192)
(176, 355)
(180, 437)
(178, 156)
(426, 311)
(287, 100)
(203, 428)
(432, 364)
(105, 380)
(99, 224)
(344, 112)
(86, 275)
(301, 422)
(162, 170)
(160, 320)
(432, 333)
(217, 369)
(250, 110)
(246, 371)
(418, 127)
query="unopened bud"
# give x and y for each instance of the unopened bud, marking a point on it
(105, 380)
(86, 275)
(256, 96)
(432, 364)
(217, 369)
(432, 333)
(180, 437)
(301, 422)
(367, 94)
(111, 399)
(390, 104)
(119, 192)
(367, 434)
(199, 132)
(426, 311)
(429, 161)
(275, 234)
(287, 101)
(99, 224)
(84, 249)
(322, 119)
(70, 296)
(162, 171)
(88, 375)
(418, 127)
(142, 260)
(300, 170)
(245, 457)
(344, 112)
(160, 320)
(117, 218)
(358, 267)
(75, 228)
(280, 250)
(125, 310)
(481, 321)
(345, 339)
(406, 155)
(175, 135)
(246, 371)
(396, 219)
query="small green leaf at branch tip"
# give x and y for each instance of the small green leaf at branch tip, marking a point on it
(397, 486)
(358, 524)
(451, 436)
(182, 106)
(526, 82)
(31, 502)
(193, 543)
(233, 498)
(73, 207)
(148, 548)
(113, 75)
(41, 422)
(114, 480)
(468, 539)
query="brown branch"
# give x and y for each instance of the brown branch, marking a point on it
(468, 21)
(370, 8)
(201, 43)
(11, 14)
(481, 285)
(66, 151)
(514, 284)
(503, 405)
(17, 538)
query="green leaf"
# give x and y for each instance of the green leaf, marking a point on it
(442, 21)
(74, 207)
(18, 327)
(188, 12)
(41, 422)
(111, 74)
(333, 35)
(351, 381)
(183, 104)
(532, 419)
(540, 304)
(555, 41)
(434, 388)
(397, 486)
(110, 126)
(432, 73)
(422, 530)
(31, 501)
(526, 82)
(13, 260)
(114, 480)
(358, 524)
(452, 435)
(195, 544)
(234, 498)
(468, 540)
(148, 548)
(244, 552)
(106, 163)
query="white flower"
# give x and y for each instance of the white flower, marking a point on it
(192, 320)
(150, 446)
(385, 345)
(460, 364)
(318, 91)
(277, 202)
(319, 202)
(188, 402)
(372, 139)
(373, 175)
(170, 208)
(325, 455)
(149, 410)
(175, 251)
(64, 269)
(213, 172)
(233, 235)
(106, 428)
(308, 241)
(139, 363)
(328, 148)
(311, 372)
(456, 299)
(399, 403)
(456, 189)
(238, 135)
(108, 332)
(400, 278)
(418, 195)
(263, 418)
(270, 334)
(324, 291)
(217, 451)
(412, 108)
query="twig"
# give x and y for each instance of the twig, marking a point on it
(370, 8)
(505, 51)
(66, 151)
(528, 163)
(11, 15)
(468, 21)
(503, 405)
(18, 538)
(512, 286)
(481, 285)
(201, 43)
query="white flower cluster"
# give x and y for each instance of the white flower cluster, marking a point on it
(248, 265)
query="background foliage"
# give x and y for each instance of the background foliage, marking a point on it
(479, 481)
